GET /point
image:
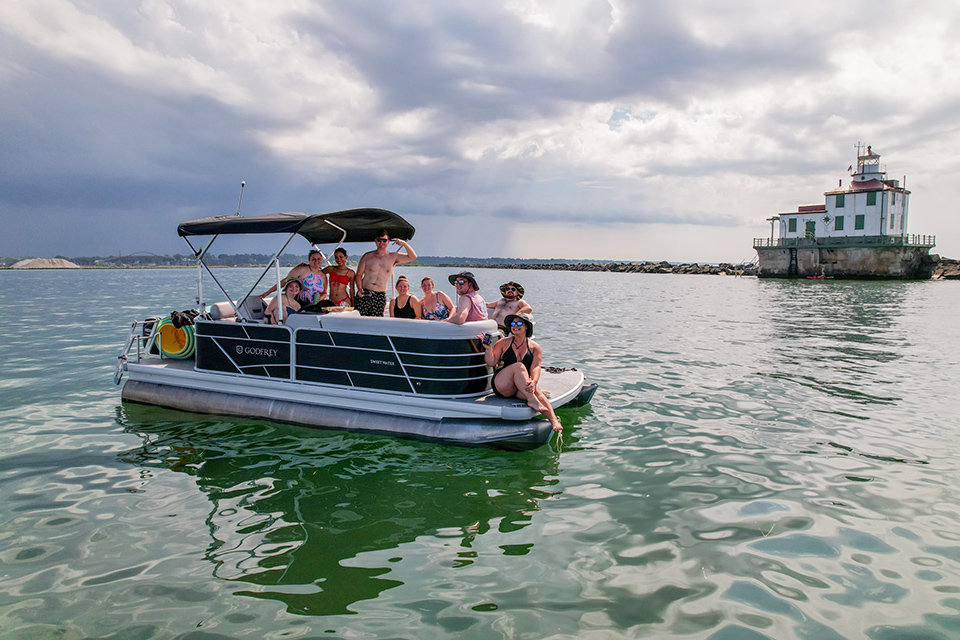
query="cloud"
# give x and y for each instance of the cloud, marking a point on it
(125, 119)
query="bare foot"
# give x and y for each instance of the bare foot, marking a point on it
(534, 404)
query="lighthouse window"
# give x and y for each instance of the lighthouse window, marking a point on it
(871, 198)
(792, 225)
(858, 222)
(838, 223)
(893, 198)
(891, 221)
(840, 198)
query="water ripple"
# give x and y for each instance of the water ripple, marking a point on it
(763, 460)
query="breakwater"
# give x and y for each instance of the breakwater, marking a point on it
(946, 269)
(722, 269)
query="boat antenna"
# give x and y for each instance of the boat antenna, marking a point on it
(242, 185)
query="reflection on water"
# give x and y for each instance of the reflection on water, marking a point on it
(291, 507)
(764, 460)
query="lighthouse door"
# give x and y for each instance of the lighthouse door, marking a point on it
(811, 230)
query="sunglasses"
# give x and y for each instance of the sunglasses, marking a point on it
(382, 240)
(461, 282)
(517, 323)
(509, 288)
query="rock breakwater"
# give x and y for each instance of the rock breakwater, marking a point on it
(722, 269)
(947, 269)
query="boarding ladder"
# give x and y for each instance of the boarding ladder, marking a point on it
(137, 344)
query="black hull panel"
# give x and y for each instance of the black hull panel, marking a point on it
(418, 366)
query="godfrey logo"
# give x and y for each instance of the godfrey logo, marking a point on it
(256, 351)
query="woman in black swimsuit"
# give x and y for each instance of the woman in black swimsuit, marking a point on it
(405, 305)
(516, 362)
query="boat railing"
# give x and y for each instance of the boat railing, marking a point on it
(910, 240)
(136, 344)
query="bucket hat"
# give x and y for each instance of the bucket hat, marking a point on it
(466, 275)
(513, 284)
(523, 316)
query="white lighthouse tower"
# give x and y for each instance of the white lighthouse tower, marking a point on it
(859, 231)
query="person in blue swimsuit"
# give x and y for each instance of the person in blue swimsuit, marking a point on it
(314, 285)
(436, 305)
(290, 303)
(516, 366)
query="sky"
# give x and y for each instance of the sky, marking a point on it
(578, 129)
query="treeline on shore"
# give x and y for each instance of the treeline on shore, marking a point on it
(286, 260)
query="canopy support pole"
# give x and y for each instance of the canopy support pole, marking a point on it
(280, 306)
(201, 265)
(276, 258)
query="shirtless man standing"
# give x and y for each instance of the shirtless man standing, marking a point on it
(511, 303)
(375, 271)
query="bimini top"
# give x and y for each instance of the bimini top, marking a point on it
(360, 225)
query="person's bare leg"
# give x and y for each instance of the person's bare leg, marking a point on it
(551, 416)
(522, 380)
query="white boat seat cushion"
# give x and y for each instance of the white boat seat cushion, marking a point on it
(221, 311)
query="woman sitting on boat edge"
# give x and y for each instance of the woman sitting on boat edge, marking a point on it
(290, 303)
(516, 362)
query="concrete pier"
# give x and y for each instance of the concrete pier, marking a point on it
(897, 262)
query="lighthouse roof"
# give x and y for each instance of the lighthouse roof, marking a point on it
(867, 185)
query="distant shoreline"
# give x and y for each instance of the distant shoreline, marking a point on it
(947, 268)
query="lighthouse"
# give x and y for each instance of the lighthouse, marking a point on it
(859, 231)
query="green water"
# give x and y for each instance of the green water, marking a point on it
(763, 460)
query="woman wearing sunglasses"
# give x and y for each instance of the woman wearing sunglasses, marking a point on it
(516, 362)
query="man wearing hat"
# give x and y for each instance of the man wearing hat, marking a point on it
(511, 302)
(470, 306)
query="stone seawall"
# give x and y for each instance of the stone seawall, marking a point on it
(723, 269)
(855, 262)
(946, 269)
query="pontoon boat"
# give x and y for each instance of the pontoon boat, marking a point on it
(410, 378)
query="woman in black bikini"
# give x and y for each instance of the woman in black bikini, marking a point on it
(516, 362)
(405, 305)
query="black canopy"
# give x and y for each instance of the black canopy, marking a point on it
(361, 225)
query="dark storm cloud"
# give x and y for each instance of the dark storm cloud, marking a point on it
(575, 112)
(77, 141)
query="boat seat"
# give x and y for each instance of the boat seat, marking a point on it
(221, 311)
(298, 320)
(353, 322)
(252, 308)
